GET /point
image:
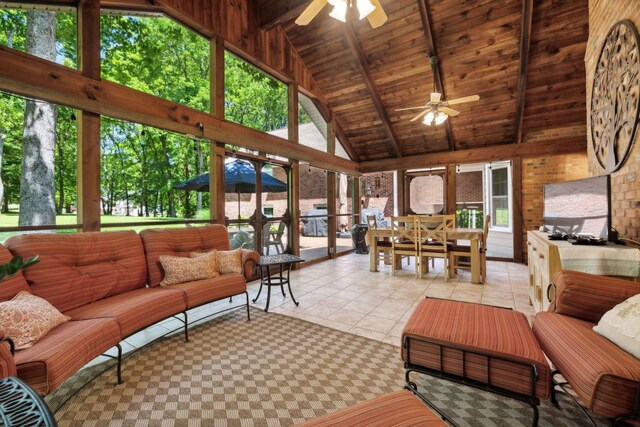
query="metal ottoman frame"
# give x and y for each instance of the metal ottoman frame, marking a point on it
(530, 399)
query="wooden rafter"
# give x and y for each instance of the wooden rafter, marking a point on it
(478, 155)
(352, 40)
(280, 12)
(525, 40)
(425, 16)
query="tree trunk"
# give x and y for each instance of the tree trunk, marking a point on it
(200, 166)
(60, 177)
(172, 204)
(2, 136)
(37, 181)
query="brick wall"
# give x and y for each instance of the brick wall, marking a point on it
(469, 187)
(381, 185)
(625, 183)
(538, 171)
(427, 194)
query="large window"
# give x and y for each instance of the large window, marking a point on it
(253, 98)
(499, 182)
(48, 35)
(150, 175)
(344, 212)
(156, 56)
(38, 161)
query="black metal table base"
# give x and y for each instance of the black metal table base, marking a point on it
(267, 280)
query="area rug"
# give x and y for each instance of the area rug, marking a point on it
(272, 371)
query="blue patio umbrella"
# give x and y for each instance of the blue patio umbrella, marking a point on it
(239, 177)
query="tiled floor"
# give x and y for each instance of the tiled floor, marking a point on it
(343, 294)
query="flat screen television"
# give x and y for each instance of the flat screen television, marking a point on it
(578, 207)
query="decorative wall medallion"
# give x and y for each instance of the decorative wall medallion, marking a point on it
(615, 98)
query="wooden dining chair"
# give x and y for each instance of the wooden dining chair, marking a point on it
(432, 240)
(404, 241)
(459, 255)
(383, 247)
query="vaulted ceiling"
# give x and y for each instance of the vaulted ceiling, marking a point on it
(524, 58)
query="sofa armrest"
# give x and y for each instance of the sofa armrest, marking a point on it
(589, 296)
(7, 363)
(249, 261)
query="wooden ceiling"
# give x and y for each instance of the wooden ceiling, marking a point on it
(524, 58)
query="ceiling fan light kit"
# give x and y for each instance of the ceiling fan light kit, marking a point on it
(370, 9)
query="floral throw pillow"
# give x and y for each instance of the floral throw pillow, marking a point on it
(621, 325)
(230, 261)
(182, 269)
(26, 318)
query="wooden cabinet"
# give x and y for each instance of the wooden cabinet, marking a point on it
(545, 257)
(544, 261)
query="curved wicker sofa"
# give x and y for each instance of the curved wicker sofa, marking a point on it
(108, 283)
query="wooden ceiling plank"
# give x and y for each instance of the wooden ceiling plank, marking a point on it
(423, 6)
(280, 12)
(525, 41)
(352, 40)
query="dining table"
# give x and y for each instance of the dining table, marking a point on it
(473, 235)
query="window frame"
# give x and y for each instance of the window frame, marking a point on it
(489, 197)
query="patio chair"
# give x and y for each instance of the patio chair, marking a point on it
(459, 254)
(432, 240)
(273, 238)
(404, 241)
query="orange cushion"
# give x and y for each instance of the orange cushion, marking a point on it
(200, 292)
(479, 328)
(77, 269)
(398, 409)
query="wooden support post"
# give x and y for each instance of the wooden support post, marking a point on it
(451, 190)
(216, 184)
(402, 192)
(294, 204)
(217, 77)
(331, 192)
(518, 233)
(355, 194)
(88, 191)
(293, 113)
(331, 209)
(216, 153)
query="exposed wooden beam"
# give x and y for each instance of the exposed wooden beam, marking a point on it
(525, 41)
(89, 123)
(519, 233)
(354, 44)
(477, 155)
(36, 78)
(425, 16)
(279, 12)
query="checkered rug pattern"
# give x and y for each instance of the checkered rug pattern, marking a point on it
(272, 371)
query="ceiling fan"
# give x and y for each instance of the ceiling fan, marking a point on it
(436, 110)
(371, 9)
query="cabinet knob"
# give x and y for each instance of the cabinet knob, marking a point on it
(535, 249)
(541, 256)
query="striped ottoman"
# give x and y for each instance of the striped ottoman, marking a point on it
(397, 409)
(482, 346)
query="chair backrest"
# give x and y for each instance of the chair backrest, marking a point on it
(433, 231)
(487, 221)
(405, 233)
(371, 222)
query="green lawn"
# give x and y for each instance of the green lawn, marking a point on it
(11, 220)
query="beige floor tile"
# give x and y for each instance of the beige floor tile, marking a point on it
(377, 323)
(336, 325)
(360, 307)
(388, 313)
(347, 294)
(367, 333)
(348, 317)
(392, 340)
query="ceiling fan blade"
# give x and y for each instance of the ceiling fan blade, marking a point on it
(377, 17)
(463, 99)
(448, 111)
(311, 11)
(411, 108)
(422, 113)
